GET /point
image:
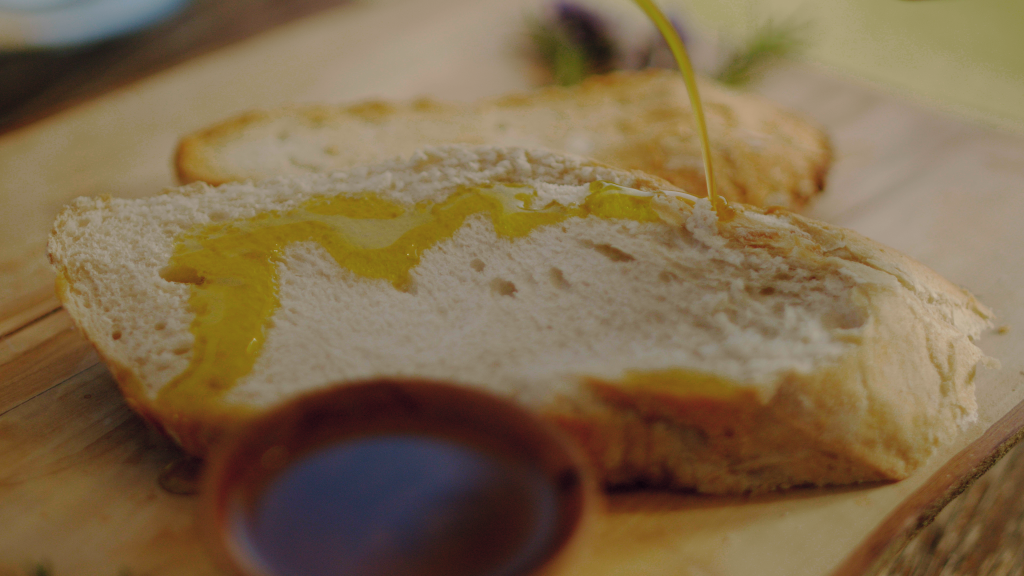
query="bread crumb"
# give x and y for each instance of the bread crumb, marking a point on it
(703, 224)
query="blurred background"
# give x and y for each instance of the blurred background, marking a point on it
(963, 56)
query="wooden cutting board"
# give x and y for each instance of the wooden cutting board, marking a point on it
(78, 489)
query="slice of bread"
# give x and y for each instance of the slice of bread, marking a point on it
(763, 155)
(746, 353)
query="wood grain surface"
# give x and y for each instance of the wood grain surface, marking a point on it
(979, 533)
(78, 488)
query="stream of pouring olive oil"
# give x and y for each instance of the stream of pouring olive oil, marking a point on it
(232, 266)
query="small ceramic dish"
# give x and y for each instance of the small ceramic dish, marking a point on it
(398, 477)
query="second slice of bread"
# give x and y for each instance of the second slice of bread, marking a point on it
(763, 154)
(760, 352)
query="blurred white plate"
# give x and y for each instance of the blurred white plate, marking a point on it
(64, 23)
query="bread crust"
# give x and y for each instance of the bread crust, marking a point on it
(763, 155)
(877, 412)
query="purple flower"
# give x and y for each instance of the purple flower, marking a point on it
(575, 41)
(587, 30)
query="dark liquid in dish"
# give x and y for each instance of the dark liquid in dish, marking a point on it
(401, 505)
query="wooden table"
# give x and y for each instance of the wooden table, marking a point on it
(78, 471)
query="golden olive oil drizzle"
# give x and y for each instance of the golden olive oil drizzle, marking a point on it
(233, 266)
(675, 44)
(681, 382)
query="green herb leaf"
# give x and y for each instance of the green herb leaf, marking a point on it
(566, 61)
(770, 42)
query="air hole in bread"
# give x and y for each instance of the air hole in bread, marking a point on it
(503, 287)
(218, 215)
(767, 291)
(160, 326)
(845, 320)
(83, 222)
(304, 165)
(666, 276)
(558, 279)
(182, 350)
(182, 275)
(477, 264)
(331, 150)
(116, 335)
(610, 252)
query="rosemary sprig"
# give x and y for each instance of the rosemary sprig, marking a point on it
(769, 43)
